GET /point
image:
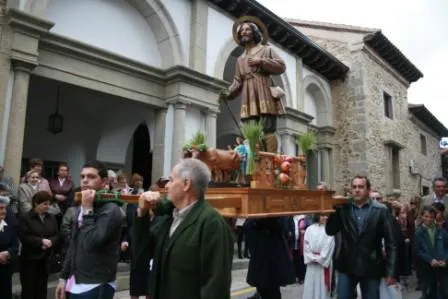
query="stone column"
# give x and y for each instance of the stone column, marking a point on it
(158, 154)
(198, 37)
(300, 89)
(180, 113)
(210, 127)
(17, 116)
(288, 144)
(326, 166)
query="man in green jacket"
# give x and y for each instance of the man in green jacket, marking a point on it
(190, 243)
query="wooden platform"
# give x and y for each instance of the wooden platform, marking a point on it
(261, 203)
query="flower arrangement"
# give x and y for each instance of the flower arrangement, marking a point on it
(196, 143)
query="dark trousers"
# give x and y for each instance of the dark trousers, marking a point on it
(346, 288)
(299, 265)
(6, 281)
(104, 291)
(34, 278)
(269, 293)
(434, 282)
(240, 237)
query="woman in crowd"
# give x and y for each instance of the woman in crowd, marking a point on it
(27, 190)
(318, 254)
(137, 184)
(407, 230)
(39, 235)
(9, 246)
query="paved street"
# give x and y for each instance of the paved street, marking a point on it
(240, 290)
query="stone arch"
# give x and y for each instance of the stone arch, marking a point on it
(158, 19)
(118, 132)
(316, 89)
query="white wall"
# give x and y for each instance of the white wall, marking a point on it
(95, 125)
(289, 77)
(180, 11)
(194, 122)
(218, 35)
(112, 25)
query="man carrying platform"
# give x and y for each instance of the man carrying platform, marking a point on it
(191, 245)
(90, 266)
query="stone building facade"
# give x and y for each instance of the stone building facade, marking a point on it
(378, 133)
(134, 80)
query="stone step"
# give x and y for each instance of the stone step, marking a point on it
(122, 278)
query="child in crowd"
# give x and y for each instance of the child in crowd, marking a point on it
(431, 246)
(440, 215)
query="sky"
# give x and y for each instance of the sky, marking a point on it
(419, 28)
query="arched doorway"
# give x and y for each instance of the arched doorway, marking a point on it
(141, 153)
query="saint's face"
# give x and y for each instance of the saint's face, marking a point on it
(246, 33)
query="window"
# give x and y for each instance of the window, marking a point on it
(388, 105)
(423, 144)
(392, 167)
(396, 168)
(425, 190)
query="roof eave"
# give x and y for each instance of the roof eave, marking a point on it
(288, 37)
(425, 116)
(393, 56)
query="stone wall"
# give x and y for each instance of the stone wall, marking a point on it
(429, 165)
(363, 132)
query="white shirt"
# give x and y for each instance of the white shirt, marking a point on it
(2, 225)
(179, 215)
(61, 182)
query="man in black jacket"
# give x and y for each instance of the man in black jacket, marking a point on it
(90, 266)
(364, 224)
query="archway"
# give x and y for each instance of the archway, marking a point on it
(142, 154)
(317, 103)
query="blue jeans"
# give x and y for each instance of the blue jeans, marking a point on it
(104, 291)
(346, 287)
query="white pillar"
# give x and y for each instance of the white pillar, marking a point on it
(210, 127)
(180, 112)
(17, 116)
(158, 154)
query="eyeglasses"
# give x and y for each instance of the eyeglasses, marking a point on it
(376, 198)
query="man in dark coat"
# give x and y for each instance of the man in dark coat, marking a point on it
(191, 245)
(270, 264)
(363, 224)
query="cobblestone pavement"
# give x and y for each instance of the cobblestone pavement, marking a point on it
(240, 290)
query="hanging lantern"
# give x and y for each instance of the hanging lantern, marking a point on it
(56, 120)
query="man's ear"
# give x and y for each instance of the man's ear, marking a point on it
(187, 185)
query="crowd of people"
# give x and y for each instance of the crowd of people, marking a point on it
(183, 248)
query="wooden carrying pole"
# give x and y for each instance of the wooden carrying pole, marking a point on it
(259, 203)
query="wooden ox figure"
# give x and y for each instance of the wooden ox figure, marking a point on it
(222, 163)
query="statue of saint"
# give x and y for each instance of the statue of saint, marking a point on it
(252, 77)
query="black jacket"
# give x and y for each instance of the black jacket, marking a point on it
(32, 230)
(361, 252)
(94, 247)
